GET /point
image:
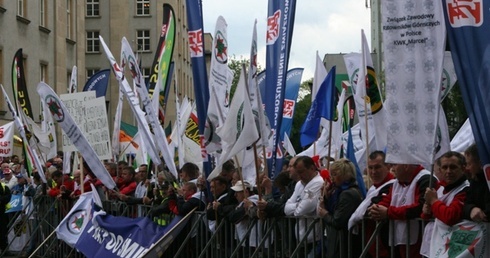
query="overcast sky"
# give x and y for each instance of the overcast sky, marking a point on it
(326, 26)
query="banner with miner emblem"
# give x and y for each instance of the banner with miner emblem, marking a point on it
(66, 122)
(465, 239)
(71, 227)
(220, 79)
(414, 41)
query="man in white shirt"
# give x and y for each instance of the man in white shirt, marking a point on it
(304, 200)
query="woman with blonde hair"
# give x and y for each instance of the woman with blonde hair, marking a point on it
(340, 200)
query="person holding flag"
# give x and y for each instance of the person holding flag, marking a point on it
(404, 202)
(379, 173)
(445, 204)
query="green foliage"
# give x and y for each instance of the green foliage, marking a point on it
(455, 110)
(302, 108)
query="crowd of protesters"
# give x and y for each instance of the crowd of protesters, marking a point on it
(456, 190)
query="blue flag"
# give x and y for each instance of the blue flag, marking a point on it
(280, 20)
(468, 24)
(199, 72)
(98, 82)
(350, 155)
(118, 236)
(293, 82)
(323, 105)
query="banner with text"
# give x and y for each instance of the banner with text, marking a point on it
(414, 38)
(7, 139)
(89, 113)
(467, 29)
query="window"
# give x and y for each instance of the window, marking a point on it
(42, 13)
(142, 7)
(143, 40)
(43, 72)
(69, 23)
(93, 42)
(146, 72)
(21, 8)
(92, 8)
(91, 72)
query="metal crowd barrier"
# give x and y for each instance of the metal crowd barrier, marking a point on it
(274, 237)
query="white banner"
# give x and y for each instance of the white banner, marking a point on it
(89, 113)
(414, 40)
(220, 80)
(465, 239)
(7, 139)
(72, 130)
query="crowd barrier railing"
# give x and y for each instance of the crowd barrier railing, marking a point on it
(272, 237)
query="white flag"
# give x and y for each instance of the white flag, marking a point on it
(442, 144)
(288, 146)
(116, 145)
(219, 86)
(413, 61)
(320, 74)
(464, 138)
(72, 226)
(73, 132)
(134, 104)
(73, 87)
(47, 125)
(161, 142)
(465, 239)
(239, 130)
(33, 157)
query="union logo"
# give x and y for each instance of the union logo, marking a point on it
(55, 108)
(221, 48)
(273, 25)
(465, 13)
(77, 220)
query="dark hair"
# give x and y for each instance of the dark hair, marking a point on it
(228, 166)
(282, 180)
(450, 154)
(377, 153)
(56, 173)
(191, 169)
(36, 176)
(122, 162)
(191, 186)
(130, 170)
(220, 179)
(307, 162)
(472, 152)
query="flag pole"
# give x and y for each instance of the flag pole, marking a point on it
(239, 169)
(330, 123)
(257, 167)
(82, 181)
(366, 101)
(45, 240)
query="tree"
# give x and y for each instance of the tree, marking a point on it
(302, 108)
(455, 110)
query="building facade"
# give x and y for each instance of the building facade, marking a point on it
(51, 35)
(57, 35)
